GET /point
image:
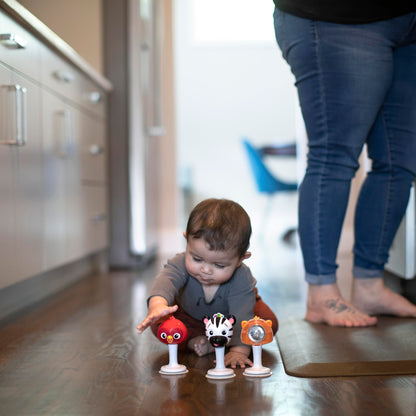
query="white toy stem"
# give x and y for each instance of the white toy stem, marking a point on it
(257, 349)
(173, 367)
(219, 355)
(220, 371)
(257, 370)
(173, 355)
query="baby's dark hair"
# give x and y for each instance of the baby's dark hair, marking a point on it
(222, 223)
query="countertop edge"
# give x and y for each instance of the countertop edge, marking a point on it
(50, 38)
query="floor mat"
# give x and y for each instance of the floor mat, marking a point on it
(318, 350)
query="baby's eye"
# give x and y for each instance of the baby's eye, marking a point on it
(196, 259)
(219, 266)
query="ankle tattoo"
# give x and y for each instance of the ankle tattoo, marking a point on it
(338, 306)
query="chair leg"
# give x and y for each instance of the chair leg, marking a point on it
(288, 235)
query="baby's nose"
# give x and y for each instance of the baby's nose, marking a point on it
(206, 268)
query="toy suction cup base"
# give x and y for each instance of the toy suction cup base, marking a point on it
(173, 369)
(221, 373)
(257, 372)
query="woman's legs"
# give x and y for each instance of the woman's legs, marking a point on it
(392, 148)
(343, 74)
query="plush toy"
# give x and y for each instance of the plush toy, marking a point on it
(172, 332)
(257, 332)
(219, 331)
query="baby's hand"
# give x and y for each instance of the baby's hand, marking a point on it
(238, 356)
(158, 309)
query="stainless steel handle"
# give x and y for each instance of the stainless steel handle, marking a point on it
(96, 149)
(64, 134)
(22, 103)
(95, 97)
(156, 131)
(99, 217)
(13, 126)
(151, 61)
(12, 41)
(63, 76)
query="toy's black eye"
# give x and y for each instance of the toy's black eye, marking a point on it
(211, 332)
(176, 335)
(224, 332)
(163, 335)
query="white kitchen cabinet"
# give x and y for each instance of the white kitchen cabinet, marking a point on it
(7, 200)
(19, 48)
(53, 181)
(95, 218)
(93, 163)
(29, 187)
(22, 178)
(62, 199)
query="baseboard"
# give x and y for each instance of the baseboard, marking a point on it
(16, 298)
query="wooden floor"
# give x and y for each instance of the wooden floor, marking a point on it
(78, 354)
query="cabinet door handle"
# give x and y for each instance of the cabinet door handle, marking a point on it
(99, 217)
(96, 149)
(64, 134)
(14, 115)
(12, 41)
(156, 131)
(63, 76)
(95, 97)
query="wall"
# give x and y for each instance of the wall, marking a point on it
(223, 91)
(77, 22)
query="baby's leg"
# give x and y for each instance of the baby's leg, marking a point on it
(264, 312)
(200, 345)
(196, 341)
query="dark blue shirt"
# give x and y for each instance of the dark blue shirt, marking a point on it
(347, 11)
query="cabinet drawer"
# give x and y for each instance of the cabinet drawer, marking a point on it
(66, 80)
(96, 218)
(60, 76)
(92, 97)
(93, 150)
(18, 48)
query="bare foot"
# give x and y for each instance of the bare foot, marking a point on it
(200, 345)
(373, 297)
(326, 305)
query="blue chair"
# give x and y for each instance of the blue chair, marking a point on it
(266, 182)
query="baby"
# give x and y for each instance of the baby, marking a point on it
(210, 277)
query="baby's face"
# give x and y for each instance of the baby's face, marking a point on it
(210, 267)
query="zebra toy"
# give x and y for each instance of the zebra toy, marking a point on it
(219, 331)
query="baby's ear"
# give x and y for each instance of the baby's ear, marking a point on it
(246, 256)
(184, 234)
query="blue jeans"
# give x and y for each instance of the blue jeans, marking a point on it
(356, 85)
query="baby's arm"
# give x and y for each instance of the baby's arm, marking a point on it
(158, 308)
(238, 355)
